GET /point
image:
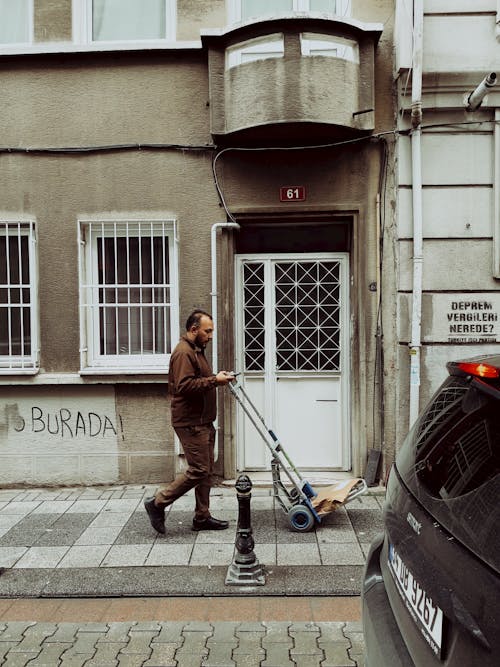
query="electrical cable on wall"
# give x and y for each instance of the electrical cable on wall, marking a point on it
(212, 148)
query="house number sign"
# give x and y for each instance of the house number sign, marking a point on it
(292, 193)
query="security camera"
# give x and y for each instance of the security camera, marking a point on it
(473, 101)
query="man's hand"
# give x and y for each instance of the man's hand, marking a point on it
(224, 377)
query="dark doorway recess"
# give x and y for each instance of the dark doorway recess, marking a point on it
(293, 235)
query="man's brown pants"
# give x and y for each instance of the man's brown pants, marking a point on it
(198, 445)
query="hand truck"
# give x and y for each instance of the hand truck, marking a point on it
(295, 500)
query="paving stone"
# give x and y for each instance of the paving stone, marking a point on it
(93, 627)
(146, 626)
(65, 633)
(308, 661)
(223, 632)
(139, 643)
(305, 643)
(14, 632)
(357, 641)
(170, 633)
(194, 642)
(247, 661)
(85, 643)
(278, 654)
(251, 627)
(106, 654)
(331, 632)
(304, 627)
(117, 632)
(133, 660)
(249, 643)
(33, 638)
(336, 654)
(199, 626)
(72, 660)
(162, 656)
(5, 648)
(190, 660)
(220, 655)
(277, 633)
(50, 655)
(17, 659)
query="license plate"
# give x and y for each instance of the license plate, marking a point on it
(426, 614)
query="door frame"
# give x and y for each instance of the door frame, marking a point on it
(345, 338)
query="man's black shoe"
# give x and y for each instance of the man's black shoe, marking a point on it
(210, 524)
(156, 515)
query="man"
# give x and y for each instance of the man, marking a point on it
(192, 387)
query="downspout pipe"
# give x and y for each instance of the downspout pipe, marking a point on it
(214, 295)
(416, 163)
(213, 292)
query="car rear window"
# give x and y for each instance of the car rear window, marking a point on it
(451, 461)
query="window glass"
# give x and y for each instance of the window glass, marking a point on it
(128, 20)
(14, 22)
(262, 48)
(323, 6)
(133, 295)
(325, 45)
(252, 8)
(466, 454)
(261, 7)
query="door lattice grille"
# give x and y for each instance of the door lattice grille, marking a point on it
(253, 295)
(307, 313)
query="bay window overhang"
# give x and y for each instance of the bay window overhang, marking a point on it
(297, 79)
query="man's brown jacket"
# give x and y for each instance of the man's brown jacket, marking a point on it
(191, 385)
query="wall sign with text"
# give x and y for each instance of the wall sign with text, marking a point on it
(461, 318)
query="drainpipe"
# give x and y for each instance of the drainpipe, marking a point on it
(214, 295)
(416, 163)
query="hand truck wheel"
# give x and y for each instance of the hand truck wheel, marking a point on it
(300, 518)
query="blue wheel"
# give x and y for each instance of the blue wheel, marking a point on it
(301, 518)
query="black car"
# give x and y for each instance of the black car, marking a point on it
(431, 586)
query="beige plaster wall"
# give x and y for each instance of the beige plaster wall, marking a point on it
(52, 20)
(193, 15)
(92, 102)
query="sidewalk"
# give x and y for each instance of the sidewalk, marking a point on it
(162, 600)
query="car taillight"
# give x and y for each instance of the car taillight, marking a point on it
(479, 369)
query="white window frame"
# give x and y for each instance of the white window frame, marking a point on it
(12, 364)
(312, 44)
(260, 48)
(31, 36)
(89, 230)
(234, 9)
(82, 25)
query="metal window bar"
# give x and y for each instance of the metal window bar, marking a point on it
(18, 317)
(139, 251)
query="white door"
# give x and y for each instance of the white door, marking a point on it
(293, 353)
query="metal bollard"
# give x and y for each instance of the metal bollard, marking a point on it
(245, 569)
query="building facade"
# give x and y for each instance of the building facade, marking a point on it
(254, 160)
(448, 190)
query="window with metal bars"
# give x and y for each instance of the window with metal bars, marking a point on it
(128, 295)
(18, 301)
